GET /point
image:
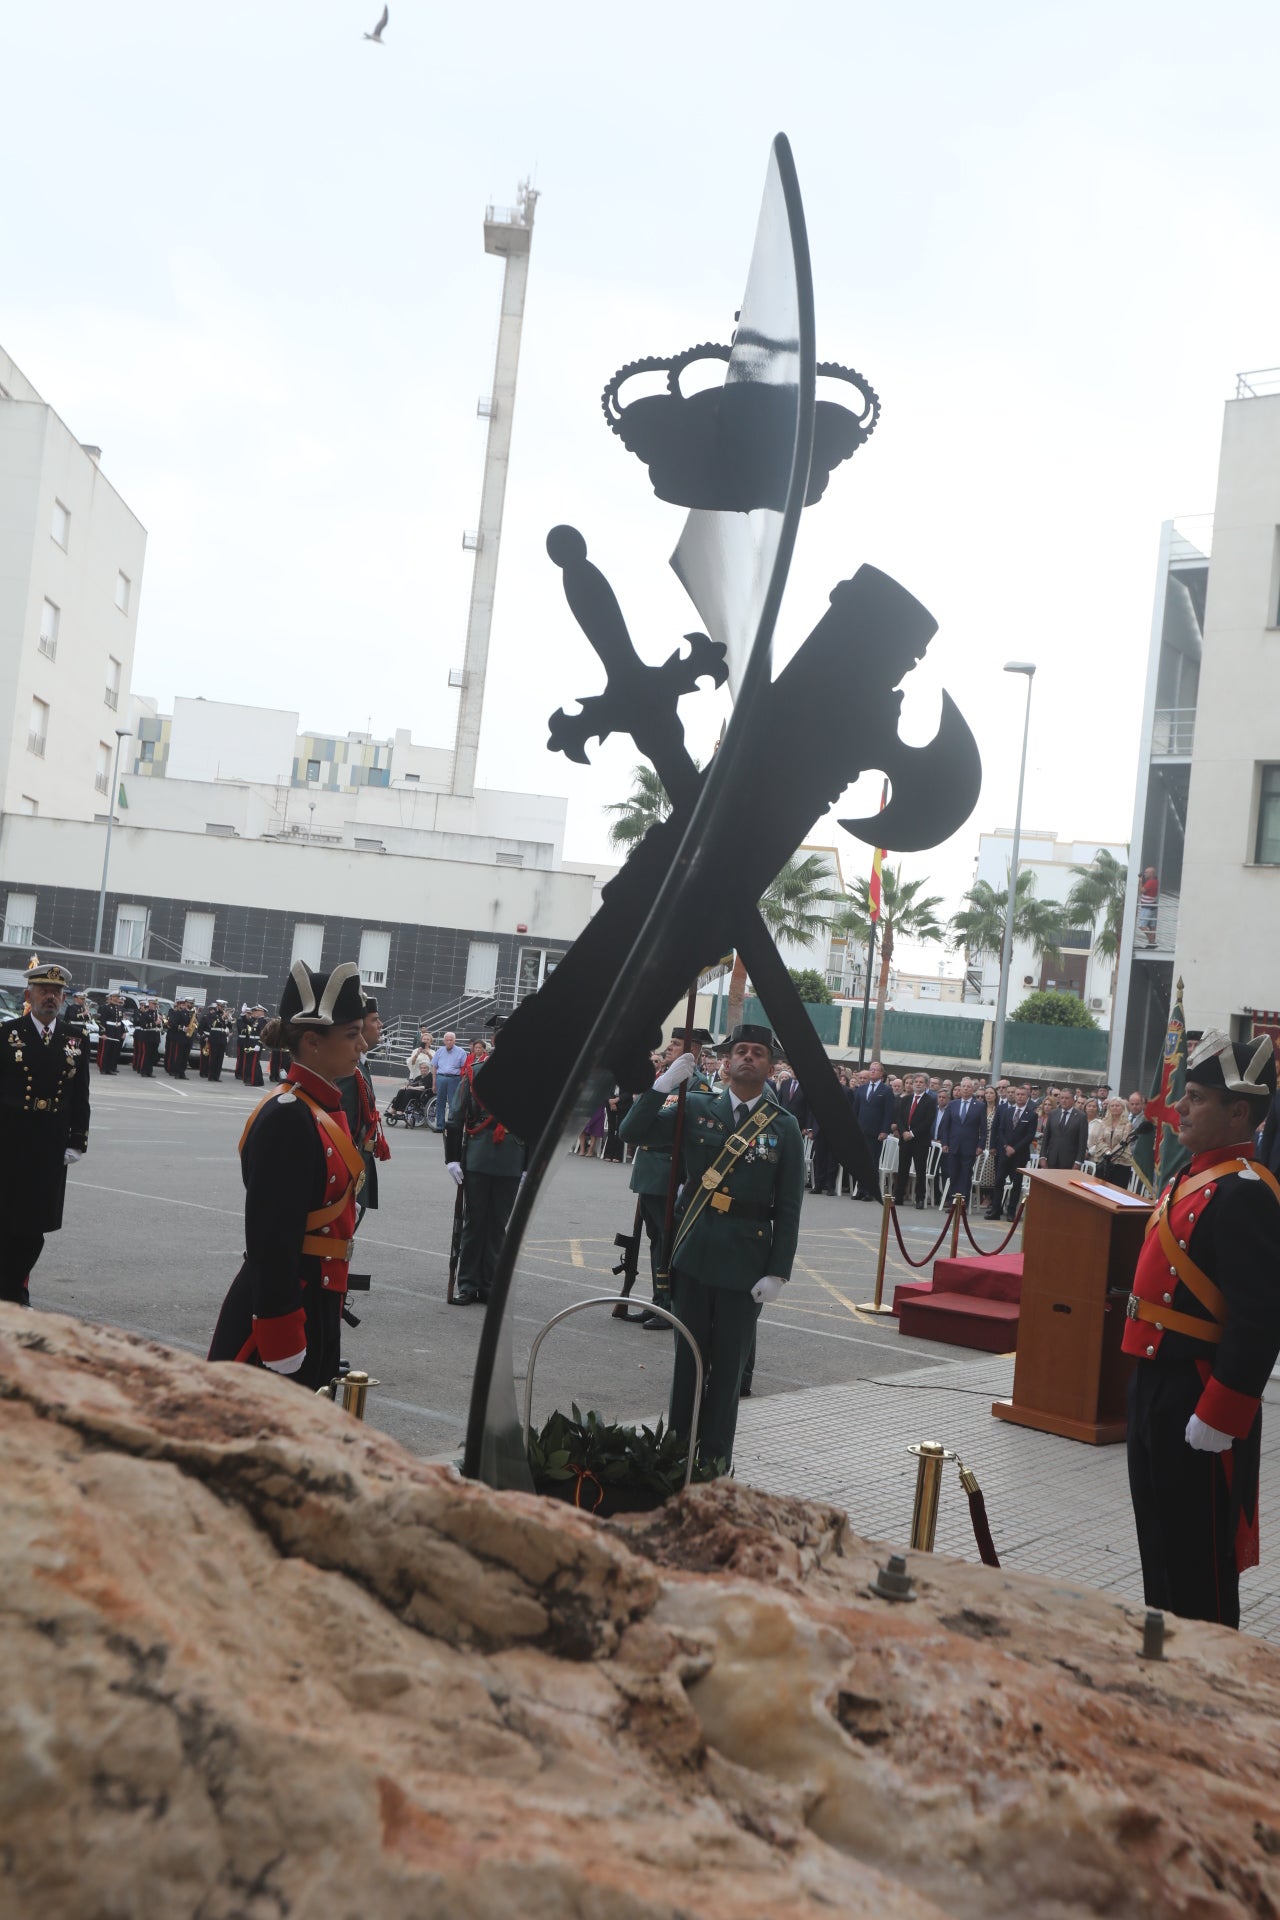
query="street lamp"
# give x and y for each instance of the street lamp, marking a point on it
(122, 734)
(1006, 953)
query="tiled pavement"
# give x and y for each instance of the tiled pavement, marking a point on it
(1055, 1506)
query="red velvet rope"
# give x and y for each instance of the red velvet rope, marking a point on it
(981, 1531)
(946, 1228)
(989, 1253)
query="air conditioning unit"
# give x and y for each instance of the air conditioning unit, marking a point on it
(1096, 1003)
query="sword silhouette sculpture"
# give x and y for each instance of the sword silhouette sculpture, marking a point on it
(837, 699)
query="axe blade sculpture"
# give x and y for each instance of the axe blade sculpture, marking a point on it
(690, 888)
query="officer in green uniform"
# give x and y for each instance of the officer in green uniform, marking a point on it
(651, 1181)
(488, 1168)
(737, 1222)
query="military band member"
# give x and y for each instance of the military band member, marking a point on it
(278, 1063)
(217, 1041)
(251, 1026)
(301, 1173)
(737, 1222)
(146, 1038)
(110, 1033)
(44, 1122)
(1204, 1324)
(489, 1166)
(178, 1027)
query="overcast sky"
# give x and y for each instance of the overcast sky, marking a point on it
(242, 250)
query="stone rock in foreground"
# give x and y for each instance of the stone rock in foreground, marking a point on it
(259, 1663)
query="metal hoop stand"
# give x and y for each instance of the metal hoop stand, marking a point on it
(610, 1300)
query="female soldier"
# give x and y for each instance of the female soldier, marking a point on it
(301, 1173)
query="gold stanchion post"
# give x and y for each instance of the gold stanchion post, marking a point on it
(877, 1305)
(924, 1520)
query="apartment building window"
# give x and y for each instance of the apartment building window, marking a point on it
(482, 967)
(197, 940)
(61, 528)
(1267, 847)
(38, 727)
(102, 768)
(313, 770)
(29, 805)
(112, 695)
(308, 943)
(375, 956)
(131, 932)
(50, 620)
(20, 919)
(123, 588)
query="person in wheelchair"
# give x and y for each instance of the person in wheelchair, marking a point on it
(409, 1105)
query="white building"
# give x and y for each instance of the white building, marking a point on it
(1077, 969)
(71, 556)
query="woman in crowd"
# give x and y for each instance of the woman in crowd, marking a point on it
(1106, 1144)
(984, 1170)
(301, 1172)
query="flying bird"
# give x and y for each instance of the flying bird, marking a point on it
(376, 35)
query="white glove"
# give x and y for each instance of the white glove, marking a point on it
(71, 1155)
(682, 1068)
(454, 1170)
(1204, 1438)
(766, 1291)
(288, 1365)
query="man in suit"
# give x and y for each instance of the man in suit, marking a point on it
(873, 1105)
(913, 1123)
(959, 1133)
(1011, 1142)
(44, 1122)
(737, 1224)
(1066, 1134)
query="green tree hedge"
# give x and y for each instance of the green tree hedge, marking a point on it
(1053, 1010)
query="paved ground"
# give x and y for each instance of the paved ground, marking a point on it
(154, 1234)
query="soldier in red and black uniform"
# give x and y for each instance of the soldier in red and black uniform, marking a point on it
(146, 1038)
(110, 1033)
(1204, 1323)
(301, 1173)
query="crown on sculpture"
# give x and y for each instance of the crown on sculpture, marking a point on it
(721, 448)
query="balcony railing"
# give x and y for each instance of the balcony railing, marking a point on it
(1254, 385)
(1172, 733)
(101, 782)
(1166, 931)
(112, 698)
(48, 646)
(19, 936)
(35, 744)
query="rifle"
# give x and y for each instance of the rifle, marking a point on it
(455, 1244)
(629, 1265)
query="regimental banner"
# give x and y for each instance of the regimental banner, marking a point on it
(1158, 1154)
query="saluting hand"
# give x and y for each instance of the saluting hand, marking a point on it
(682, 1068)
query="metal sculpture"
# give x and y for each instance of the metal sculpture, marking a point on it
(745, 458)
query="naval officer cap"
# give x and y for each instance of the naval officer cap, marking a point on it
(1244, 1068)
(758, 1036)
(323, 999)
(47, 973)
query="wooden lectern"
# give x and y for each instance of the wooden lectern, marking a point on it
(1080, 1242)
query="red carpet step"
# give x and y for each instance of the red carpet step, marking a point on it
(968, 1303)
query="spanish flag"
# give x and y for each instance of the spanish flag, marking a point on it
(873, 890)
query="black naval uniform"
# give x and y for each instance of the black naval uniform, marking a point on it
(110, 1037)
(177, 1042)
(492, 1162)
(301, 1172)
(219, 1037)
(251, 1050)
(146, 1040)
(1197, 1512)
(44, 1109)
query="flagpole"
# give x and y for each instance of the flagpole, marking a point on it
(122, 734)
(866, 997)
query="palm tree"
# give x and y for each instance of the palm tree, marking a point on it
(791, 909)
(902, 912)
(644, 807)
(1099, 895)
(979, 925)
